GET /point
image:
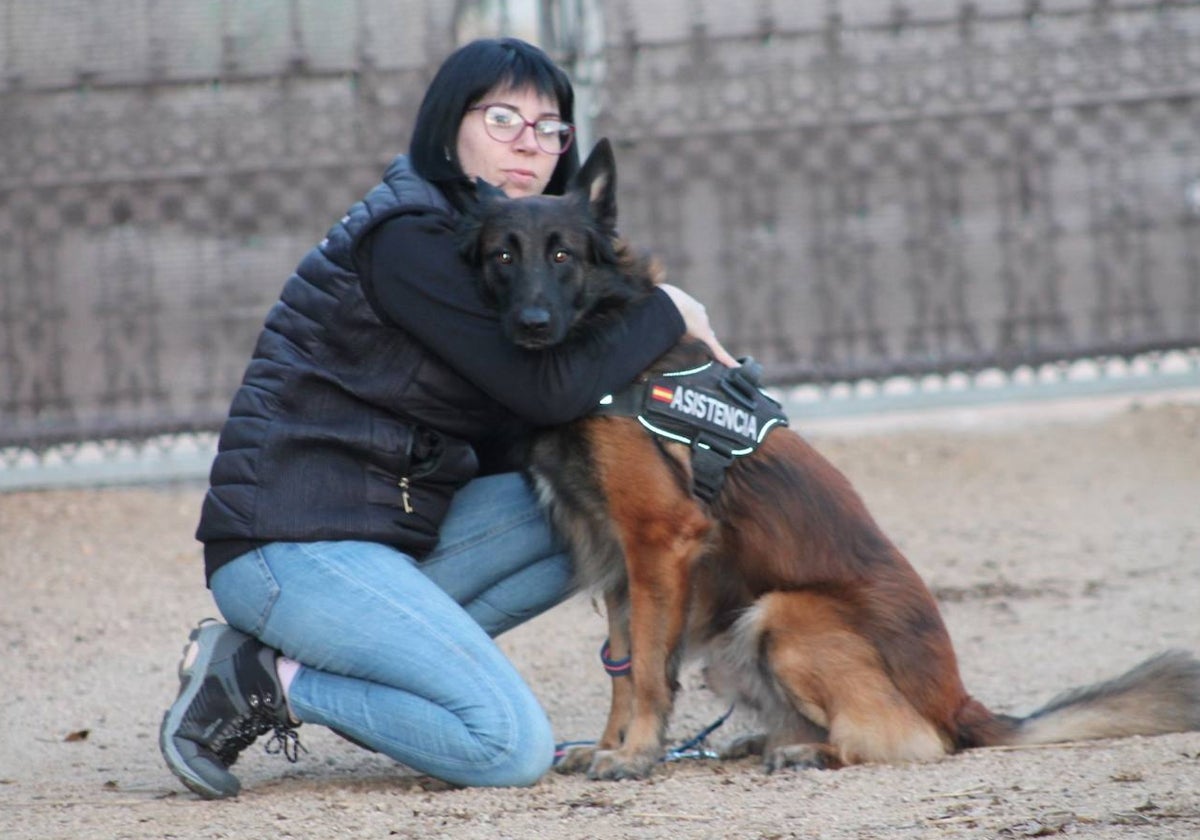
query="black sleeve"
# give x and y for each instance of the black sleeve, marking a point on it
(415, 276)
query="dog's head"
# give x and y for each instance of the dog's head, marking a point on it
(550, 264)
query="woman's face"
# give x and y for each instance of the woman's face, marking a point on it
(518, 167)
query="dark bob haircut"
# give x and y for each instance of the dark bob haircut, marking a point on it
(462, 81)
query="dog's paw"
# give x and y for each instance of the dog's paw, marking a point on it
(800, 756)
(615, 765)
(746, 745)
(577, 759)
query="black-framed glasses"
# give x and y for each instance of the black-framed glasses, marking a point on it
(503, 123)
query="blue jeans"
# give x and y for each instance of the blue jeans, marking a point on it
(397, 653)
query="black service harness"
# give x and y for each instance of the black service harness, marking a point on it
(721, 413)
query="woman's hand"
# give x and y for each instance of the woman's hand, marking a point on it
(695, 317)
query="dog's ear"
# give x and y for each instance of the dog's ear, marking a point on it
(486, 192)
(478, 197)
(480, 194)
(597, 180)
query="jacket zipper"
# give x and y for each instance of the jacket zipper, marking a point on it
(405, 499)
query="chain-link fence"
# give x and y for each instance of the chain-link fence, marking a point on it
(924, 187)
(161, 171)
(856, 188)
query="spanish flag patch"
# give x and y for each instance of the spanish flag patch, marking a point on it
(662, 393)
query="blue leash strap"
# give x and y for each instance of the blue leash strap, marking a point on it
(691, 748)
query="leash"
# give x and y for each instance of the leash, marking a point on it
(691, 748)
(694, 747)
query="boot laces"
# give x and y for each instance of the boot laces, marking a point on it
(244, 731)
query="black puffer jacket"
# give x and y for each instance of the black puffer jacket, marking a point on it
(372, 385)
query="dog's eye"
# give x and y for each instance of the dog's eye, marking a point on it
(505, 257)
(561, 256)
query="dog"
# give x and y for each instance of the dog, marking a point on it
(804, 611)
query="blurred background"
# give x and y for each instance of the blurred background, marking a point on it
(860, 190)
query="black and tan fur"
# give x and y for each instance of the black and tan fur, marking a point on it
(805, 611)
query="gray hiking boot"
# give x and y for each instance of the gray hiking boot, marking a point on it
(228, 696)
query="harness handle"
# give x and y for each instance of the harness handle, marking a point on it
(741, 384)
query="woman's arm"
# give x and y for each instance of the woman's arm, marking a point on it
(414, 275)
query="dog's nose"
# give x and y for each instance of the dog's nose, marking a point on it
(534, 320)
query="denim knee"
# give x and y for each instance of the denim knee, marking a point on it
(515, 759)
(528, 759)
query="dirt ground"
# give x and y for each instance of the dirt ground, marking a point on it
(1061, 550)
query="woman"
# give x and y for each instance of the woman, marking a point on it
(365, 531)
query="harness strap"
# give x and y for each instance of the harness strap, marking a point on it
(627, 402)
(711, 457)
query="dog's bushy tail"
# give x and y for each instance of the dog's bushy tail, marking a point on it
(1158, 696)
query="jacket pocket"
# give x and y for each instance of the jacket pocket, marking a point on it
(417, 488)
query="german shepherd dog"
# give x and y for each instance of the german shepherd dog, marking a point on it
(805, 612)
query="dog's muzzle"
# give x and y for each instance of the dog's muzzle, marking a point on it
(532, 328)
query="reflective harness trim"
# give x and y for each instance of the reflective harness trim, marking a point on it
(720, 412)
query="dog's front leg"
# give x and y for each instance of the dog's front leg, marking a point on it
(621, 704)
(577, 759)
(658, 595)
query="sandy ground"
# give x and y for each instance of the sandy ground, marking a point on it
(1061, 552)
